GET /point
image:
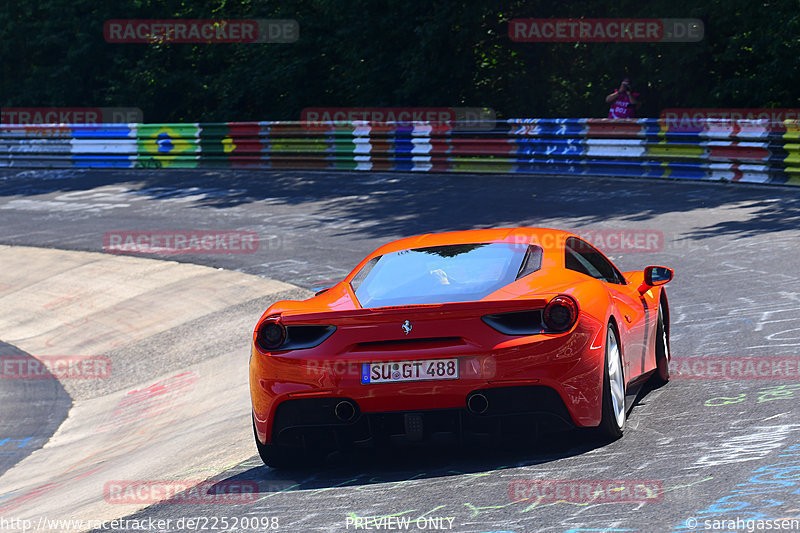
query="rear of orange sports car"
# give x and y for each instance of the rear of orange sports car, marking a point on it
(444, 336)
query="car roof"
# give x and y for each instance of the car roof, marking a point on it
(549, 239)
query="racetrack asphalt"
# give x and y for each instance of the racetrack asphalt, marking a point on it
(704, 449)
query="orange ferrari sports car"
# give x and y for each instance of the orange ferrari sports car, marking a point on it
(458, 336)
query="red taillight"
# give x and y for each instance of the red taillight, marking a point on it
(560, 314)
(271, 334)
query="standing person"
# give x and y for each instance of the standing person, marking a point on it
(623, 101)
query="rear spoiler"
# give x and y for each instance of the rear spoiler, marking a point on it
(419, 312)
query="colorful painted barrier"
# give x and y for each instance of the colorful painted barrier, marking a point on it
(740, 150)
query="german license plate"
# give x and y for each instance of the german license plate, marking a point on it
(398, 371)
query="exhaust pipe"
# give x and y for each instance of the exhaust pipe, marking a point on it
(345, 411)
(477, 404)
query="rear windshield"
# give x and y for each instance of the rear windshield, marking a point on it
(443, 274)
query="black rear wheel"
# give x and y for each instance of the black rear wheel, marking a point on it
(614, 412)
(277, 456)
(661, 375)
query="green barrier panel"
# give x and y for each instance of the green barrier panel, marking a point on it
(168, 144)
(672, 150)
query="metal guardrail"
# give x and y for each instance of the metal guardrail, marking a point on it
(732, 150)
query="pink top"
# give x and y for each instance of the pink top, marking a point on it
(622, 106)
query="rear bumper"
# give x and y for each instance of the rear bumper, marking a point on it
(517, 411)
(568, 367)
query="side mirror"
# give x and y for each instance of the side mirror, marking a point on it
(657, 275)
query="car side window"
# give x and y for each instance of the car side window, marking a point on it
(582, 257)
